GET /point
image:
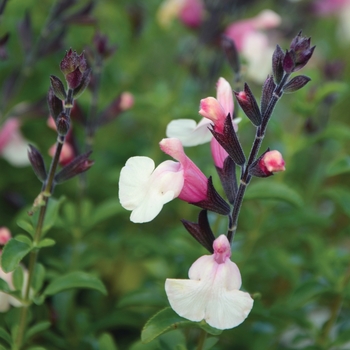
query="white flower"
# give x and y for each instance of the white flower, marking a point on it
(212, 292)
(144, 189)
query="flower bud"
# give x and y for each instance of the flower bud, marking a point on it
(249, 105)
(85, 80)
(268, 163)
(77, 166)
(54, 103)
(231, 53)
(58, 88)
(62, 124)
(102, 46)
(296, 83)
(73, 66)
(37, 161)
(5, 235)
(277, 64)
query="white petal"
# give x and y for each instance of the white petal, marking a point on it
(144, 191)
(189, 132)
(16, 151)
(211, 294)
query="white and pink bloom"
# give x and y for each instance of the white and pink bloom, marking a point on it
(13, 147)
(189, 12)
(144, 189)
(213, 110)
(272, 162)
(254, 44)
(212, 291)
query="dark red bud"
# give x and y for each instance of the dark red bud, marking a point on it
(296, 83)
(37, 162)
(54, 103)
(62, 124)
(58, 88)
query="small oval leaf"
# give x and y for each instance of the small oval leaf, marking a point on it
(76, 279)
(46, 242)
(13, 252)
(266, 189)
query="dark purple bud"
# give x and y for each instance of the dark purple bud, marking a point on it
(201, 231)
(231, 53)
(277, 66)
(83, 84)
(37, 162)
(54, 103)
(289, 62)
(228, 179)
(102, 46)
(267, 93)
(69, 62)
(302, 52)
(58, 88)
(249, 105)
(74, 78)
(214, 202)
(229, 141)
(62, 124)
(296, 83)
(77, 166)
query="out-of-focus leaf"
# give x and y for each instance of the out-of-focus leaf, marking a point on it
(210, 342)
(26, 226)
(341, 195)
(4, 335)
(4, 287)
(106, 210)
(46, 242)
(266, 189)
(38, 277)
(24, 239)
(17, 278)
(76, 279)
(13, 252)
(339, 166)
(51, 214)
(143, 298)
(305, 292)
(167, 320)
(39, 327)
(106, 342)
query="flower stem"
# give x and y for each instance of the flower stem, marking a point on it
(259, 137)
(201, 340)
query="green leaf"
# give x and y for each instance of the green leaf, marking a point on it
(46, 242)
(106, 210)
(143, 297)
(4, 287)
(106, 342)
(164, 321)
(305, 292)
(209, 329)
(4, 335)
(26, 226)
(339, 166)
(36, 348)
(25, 239)
(76, 279)
(210, 342)
(39, 327)
(2, 348)
(38, 277)
(50, 216)
(341, 196)
(267, 189)
(13, 252)
(17, 278)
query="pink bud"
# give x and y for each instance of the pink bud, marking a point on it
(191, 14)
(222, 249)
(272, 162)
(5, 235)
(126, 101)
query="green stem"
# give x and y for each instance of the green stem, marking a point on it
(47, 191)
(201, 340)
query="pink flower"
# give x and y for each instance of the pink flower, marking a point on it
(214, 110)
(190, 12)
(195, 183)
(13, 147)
(254, 44)
(212, 291)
